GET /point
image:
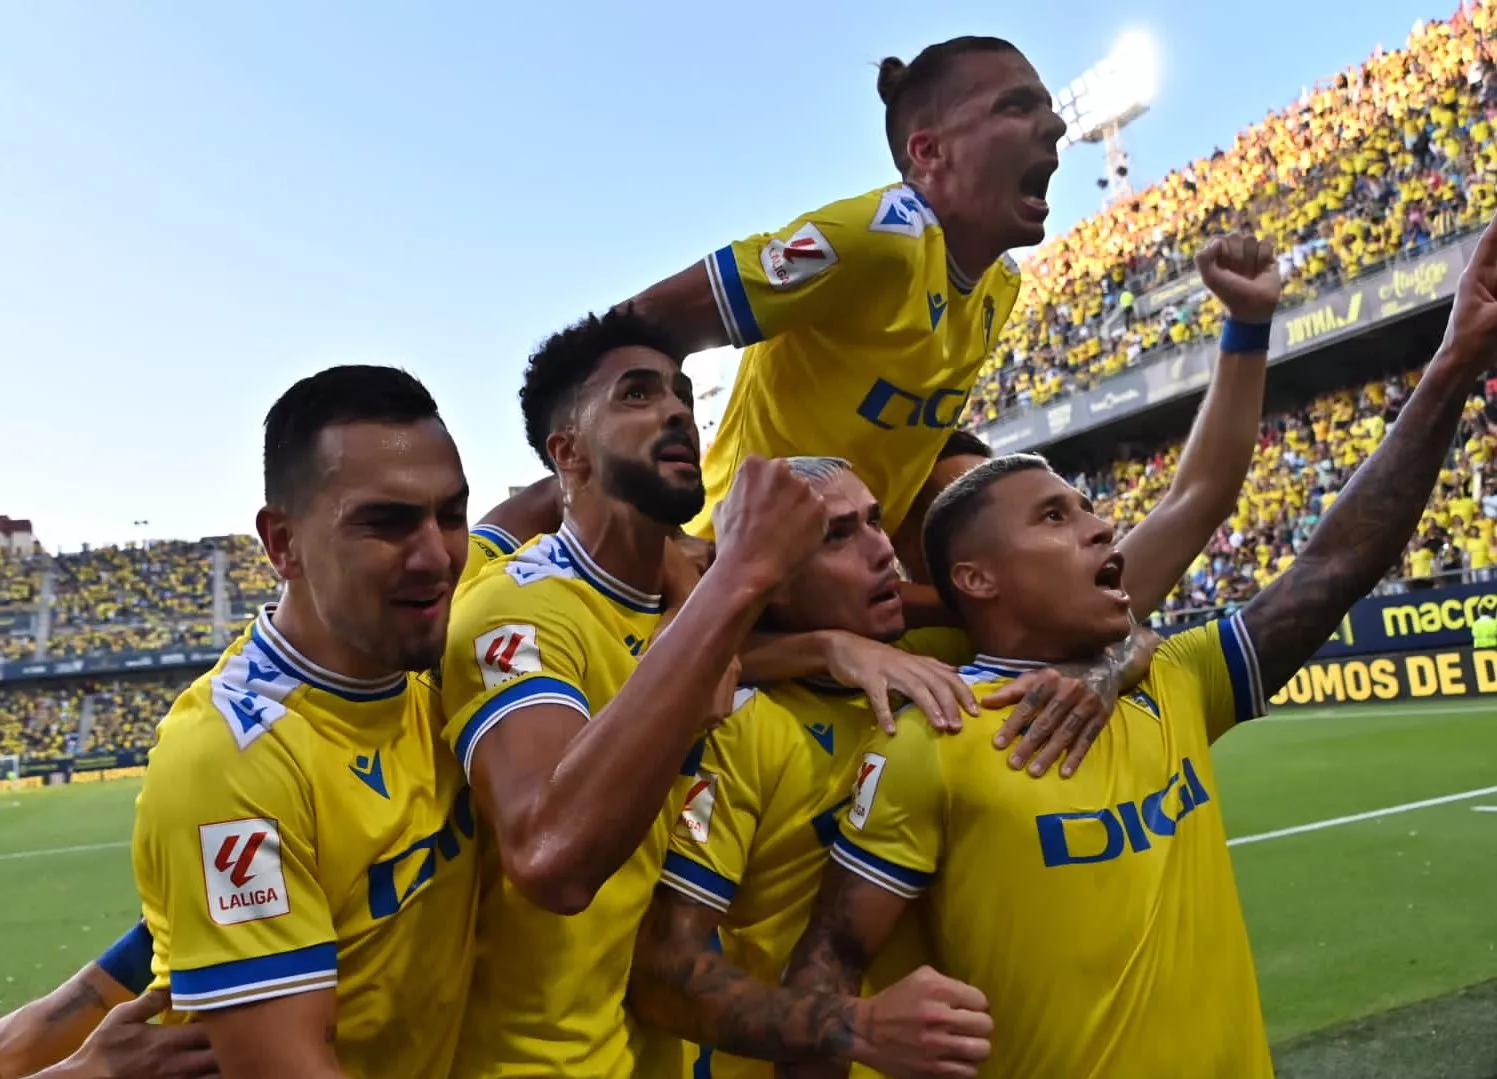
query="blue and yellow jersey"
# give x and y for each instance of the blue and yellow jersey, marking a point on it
(863, 341)
(491, 543)
(128, 960)
(298, 830)
(1151, 973)
(550, 626)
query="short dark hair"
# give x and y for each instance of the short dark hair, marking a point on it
(913, 93)
(568, 359)
(355, 393)
(955, 508)
(962, 443)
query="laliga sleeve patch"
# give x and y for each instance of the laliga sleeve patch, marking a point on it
(792, 262)
(696, 814)
(865, 788)
(506, 653)
(242, 868)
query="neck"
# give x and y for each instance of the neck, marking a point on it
(295, 617)
(995, 635)
(969, 245)
(622, 541)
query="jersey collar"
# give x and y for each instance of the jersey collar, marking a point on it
(959, 280)
(1005, 668)
(587, 568)
(284, 656)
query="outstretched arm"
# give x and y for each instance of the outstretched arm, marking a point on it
(1365, 531)
(1243, 274)
(685, 303)
(533, 511)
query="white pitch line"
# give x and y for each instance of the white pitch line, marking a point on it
(1355, 818)
(1484, 809)
(61, 850)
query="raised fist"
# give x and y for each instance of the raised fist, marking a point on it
(770, 523)
(1241, 271)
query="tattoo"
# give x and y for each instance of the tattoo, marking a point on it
(79, 997)
(1131, 658)
(1364, 532)
(679, 984)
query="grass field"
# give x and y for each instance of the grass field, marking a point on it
(1351, 923)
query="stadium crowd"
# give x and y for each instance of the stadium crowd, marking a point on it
(42, 720)
(1386, 159)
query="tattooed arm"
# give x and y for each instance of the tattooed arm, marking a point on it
(680, 984)
(49, 1029)
(947, 1019)
(1366, 529)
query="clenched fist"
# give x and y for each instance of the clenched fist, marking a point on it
(1241, 271)
(1472, 328)
(926, 1024)
(770, 523)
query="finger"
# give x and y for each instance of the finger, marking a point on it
(957, 994)
(1039, 687)
(962, 1048)
(969, 1023)
(926, 701)
(953, 694)
(878, 697)
(1236, 257)
(1007, 694)
(143, 1007)
(194, 1064)
(1064, 736)
(1044, 726)
(1208, 256)
(1083, 745)
(966, 700)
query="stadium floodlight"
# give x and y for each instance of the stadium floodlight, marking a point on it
(1104, 99)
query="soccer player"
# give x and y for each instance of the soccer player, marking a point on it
(867, 321)
(573, 714)
(93, 1026)
(304, 842)
(1130, 856)
(746, 858)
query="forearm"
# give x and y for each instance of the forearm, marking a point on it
(1206, 485)
(707, 1000)
(1132, 657)
(685, 304)
(46, 1031)
(778, 657)
(617, 773)
(1365, 531)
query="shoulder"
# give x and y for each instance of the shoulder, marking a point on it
(538, 584)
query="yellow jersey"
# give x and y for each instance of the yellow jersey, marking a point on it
(863, 339)
(492, 542)
(550, 626)
(298, 830)
(1152, 974)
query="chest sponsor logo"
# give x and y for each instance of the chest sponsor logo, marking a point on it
(242, 870)
(1103, 835)
(865, 788)
(888, 406)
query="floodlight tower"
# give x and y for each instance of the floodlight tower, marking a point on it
(1106, 98)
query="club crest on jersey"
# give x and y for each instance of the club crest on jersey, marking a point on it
(865, 788)
(506, 653)
(696, 813)
(242, 870)
(792, 262)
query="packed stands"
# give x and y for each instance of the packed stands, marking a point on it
(42, 719)
(1304, 458)
(1388, 158)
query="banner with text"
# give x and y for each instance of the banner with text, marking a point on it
(112, 663)
(1445, 674)
(1383, 295)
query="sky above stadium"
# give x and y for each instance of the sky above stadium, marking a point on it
(200, 204)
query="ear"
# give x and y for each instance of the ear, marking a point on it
(975, 580)
(566, 451)
(275, 529)
(923, 148)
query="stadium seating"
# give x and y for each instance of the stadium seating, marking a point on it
(1280, 504)
(1387, 158)
(41, 719)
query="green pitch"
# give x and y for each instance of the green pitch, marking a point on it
(1348, 922)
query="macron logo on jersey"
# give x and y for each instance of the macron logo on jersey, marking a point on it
(242, 870)
(937, 304)
(792, 262)
(371, 773)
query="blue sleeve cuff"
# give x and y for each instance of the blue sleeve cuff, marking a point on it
(128, 960)
(732, 299)
(245, 981)
(1242, 669)
(696, 881)
(890, 876)
(538, 690)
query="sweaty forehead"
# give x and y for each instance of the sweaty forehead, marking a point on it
(845, 493)
(990, 73)
(406, 462)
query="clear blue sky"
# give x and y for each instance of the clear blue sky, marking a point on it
(201, 203)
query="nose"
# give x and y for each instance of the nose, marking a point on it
(1052, 127)
(1102, 531)
(879, 547)
(427, 552)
